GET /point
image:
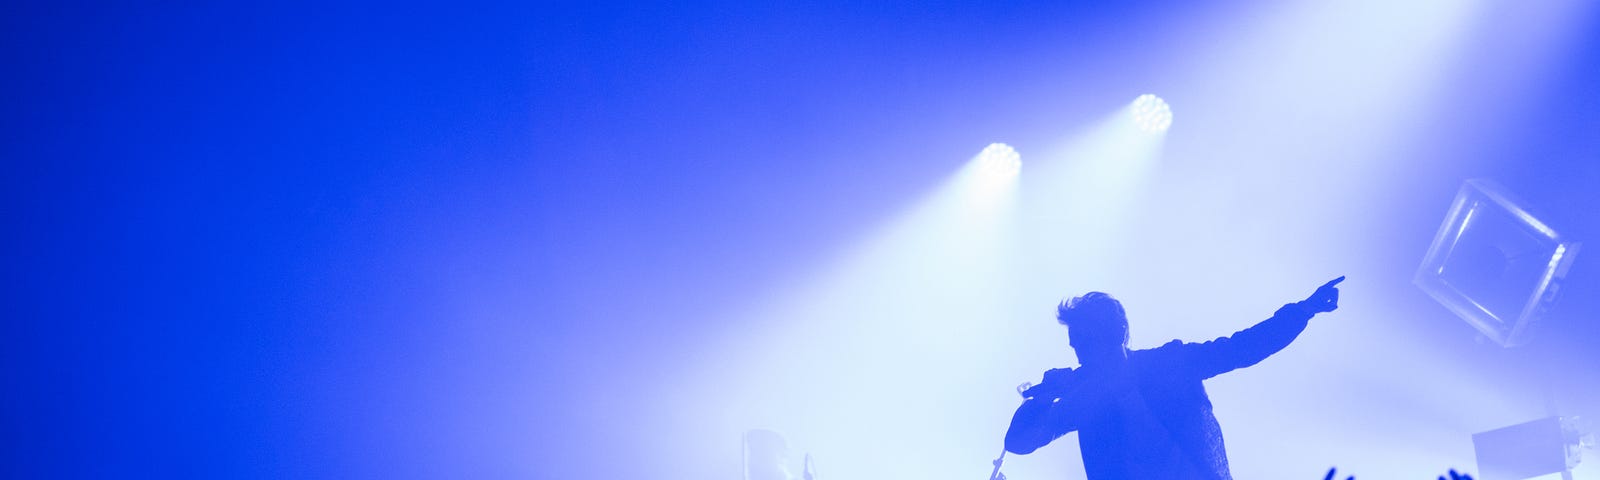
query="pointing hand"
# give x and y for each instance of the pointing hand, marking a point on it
(1325, 299)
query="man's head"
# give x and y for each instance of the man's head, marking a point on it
(1097, 327)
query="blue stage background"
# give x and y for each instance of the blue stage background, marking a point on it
(585, 240)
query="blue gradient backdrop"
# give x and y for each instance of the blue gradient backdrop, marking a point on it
(565, 240)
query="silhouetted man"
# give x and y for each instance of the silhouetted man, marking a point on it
(1144, 414)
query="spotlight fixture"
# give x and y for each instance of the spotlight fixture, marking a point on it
(1493, 264)
(1000, 160)
(1151, 113)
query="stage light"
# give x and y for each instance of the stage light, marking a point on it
(1151, 113)
(1495, 265)
(1000, 160)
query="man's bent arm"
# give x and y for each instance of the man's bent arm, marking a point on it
(1037, 422)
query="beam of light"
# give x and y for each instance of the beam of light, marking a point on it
(1083, 194)
(877, 366)
(898, 331)
(1289, 156)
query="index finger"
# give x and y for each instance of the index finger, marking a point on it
(1333, 282)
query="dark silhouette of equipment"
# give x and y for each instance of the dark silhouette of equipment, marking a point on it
(1530, 449)
(766, 455)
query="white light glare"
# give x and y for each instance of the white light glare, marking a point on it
(1151, 113)
(1000, 160)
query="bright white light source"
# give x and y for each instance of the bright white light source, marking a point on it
(1000, 160)
(1151, 113)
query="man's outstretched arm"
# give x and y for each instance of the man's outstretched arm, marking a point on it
(1252, 345)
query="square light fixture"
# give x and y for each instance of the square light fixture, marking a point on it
(1493, 264)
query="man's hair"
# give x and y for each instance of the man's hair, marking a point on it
(1094, 311)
